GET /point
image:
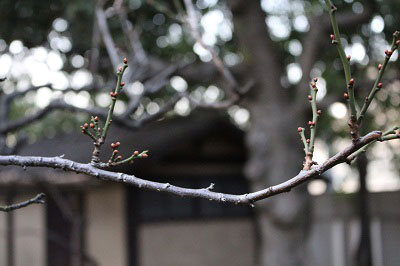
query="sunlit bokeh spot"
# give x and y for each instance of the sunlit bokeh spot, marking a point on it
(357, 7)
(16, 47)
(211, 94)
(178, 83)
(377, 24)
(294, 73)
(279, 26)
(81, 78)
(77, 61)
(295, 47)
(338, 110)
(54, 61)
(60, 24)
(316, 187)
(152, 108)
(301, 24)
(136, 88)
(182, 107)
(43, 97)
(204, 54)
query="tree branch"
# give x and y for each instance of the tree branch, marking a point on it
(205, 193)
(38, 199)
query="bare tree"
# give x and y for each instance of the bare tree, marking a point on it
(275, 160)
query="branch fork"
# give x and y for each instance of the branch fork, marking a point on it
(99, 135)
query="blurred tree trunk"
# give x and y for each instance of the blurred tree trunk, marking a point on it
(273, 143)
(364, 256)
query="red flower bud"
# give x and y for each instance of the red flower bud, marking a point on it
(115, 151)
(348, 57)
(315, 79)
(345, 96)
(119, 157)
(313, 84)
(122, 84)
(380, 66)
(117, 144)
(398, 42)
(308, 140)
(125, 60)
(113, 145)
(309, 97)
(351, 82)
(310, 123)
(91, 125)
(144, 155)
(86, 125)
(319, 112)
(135, 153)
(379, 85)
(388, 52)
(332, 37)
(299, 130)
(120, 69)
(96, 119)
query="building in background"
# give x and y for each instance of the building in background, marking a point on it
(90, 222)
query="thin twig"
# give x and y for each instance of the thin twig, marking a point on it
(378, 85)
(38, 199)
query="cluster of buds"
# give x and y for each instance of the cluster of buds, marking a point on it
(309, 142)
(117, 160)
(92, 128)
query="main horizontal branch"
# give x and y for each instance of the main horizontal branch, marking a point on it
(206, 193)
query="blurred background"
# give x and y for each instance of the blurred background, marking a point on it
(233, 125)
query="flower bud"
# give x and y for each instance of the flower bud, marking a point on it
(351, 82)
(119, 157)
(85, 125)
(299, 130)
(332, 37)
(380, 66)
(313, 84)
(91, 125)
(379, 85)
(348, 57)
(308, 140)
(115, 151)
(122, 84)
(388, 52)
(96, 119)
(309, 97)
(398, 42)
(345, 96)
(319, 112)
(125, 60)
(119, 69)
(135, 153)
(315, 79)
(144, 155)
